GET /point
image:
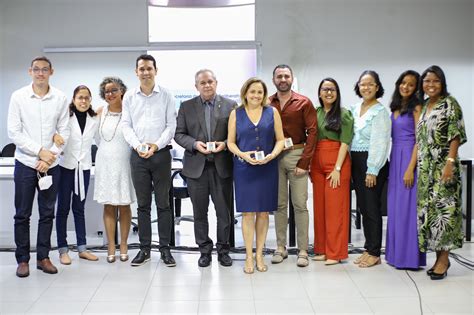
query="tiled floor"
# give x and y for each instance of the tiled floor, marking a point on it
(98, 287)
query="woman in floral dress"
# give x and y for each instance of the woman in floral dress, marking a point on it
(440, 132)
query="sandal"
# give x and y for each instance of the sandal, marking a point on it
(302, 261)
(248, 268)
(370, 261)
(361, 258)
(261, 267)
(278, 257)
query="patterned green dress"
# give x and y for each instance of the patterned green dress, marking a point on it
(439, 204)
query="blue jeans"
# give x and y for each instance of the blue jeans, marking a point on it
(65, 193)
(26, 184)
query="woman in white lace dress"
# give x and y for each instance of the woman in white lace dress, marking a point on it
(113, 183)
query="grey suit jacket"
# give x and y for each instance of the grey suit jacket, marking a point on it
(191, 127)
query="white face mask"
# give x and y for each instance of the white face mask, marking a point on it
(45, 182)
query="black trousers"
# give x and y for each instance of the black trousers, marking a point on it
(26, 185)
(153, 175)
(369, 201)
(220, 190)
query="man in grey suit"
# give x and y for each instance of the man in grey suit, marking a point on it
(207, 165)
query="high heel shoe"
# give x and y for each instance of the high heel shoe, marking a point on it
(110, 259)
(123, 252)
(439, 276)
(429, 272)
(260, 267)
(249, 269)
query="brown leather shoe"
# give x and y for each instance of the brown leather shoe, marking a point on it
(23, 270)
(46, 265)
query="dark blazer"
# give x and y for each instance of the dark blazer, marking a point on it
(191, 127)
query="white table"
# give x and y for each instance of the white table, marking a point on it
(93, 210)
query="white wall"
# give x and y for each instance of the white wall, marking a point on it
(341, 38)
(318, 38)
(28, 26)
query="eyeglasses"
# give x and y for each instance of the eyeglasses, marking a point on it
(325, 89)
(84, 98)
(426, 81)
(369, 85)
(42, 70)
(113, 91)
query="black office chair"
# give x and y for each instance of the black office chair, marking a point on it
(9, 150)
(180, 191)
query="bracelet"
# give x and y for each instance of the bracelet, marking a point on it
(450, 159)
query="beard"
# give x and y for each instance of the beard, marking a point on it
(283, 87)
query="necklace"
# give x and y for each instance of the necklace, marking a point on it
(116, 126)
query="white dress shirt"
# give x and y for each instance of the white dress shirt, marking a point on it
(33, 121)
(149, 119)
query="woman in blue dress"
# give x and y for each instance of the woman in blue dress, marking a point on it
(255, 138)
(401, 249)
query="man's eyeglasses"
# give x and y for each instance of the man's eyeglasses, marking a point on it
(42, 70)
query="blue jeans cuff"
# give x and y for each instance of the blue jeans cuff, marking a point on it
(81, 248)
(63, 250)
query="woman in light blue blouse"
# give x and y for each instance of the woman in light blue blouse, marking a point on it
(369, 152)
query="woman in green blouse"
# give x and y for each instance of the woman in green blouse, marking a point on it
(440, 132)
(331, 175)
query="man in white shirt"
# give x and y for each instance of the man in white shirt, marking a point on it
(149, 124)
(36, 112)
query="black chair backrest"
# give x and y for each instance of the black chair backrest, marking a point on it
(9, 150)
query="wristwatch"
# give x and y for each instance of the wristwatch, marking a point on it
(449, 159)
(338, 168)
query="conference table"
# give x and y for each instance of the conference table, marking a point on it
(94, 210)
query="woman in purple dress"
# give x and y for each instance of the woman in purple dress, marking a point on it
(401, 250)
